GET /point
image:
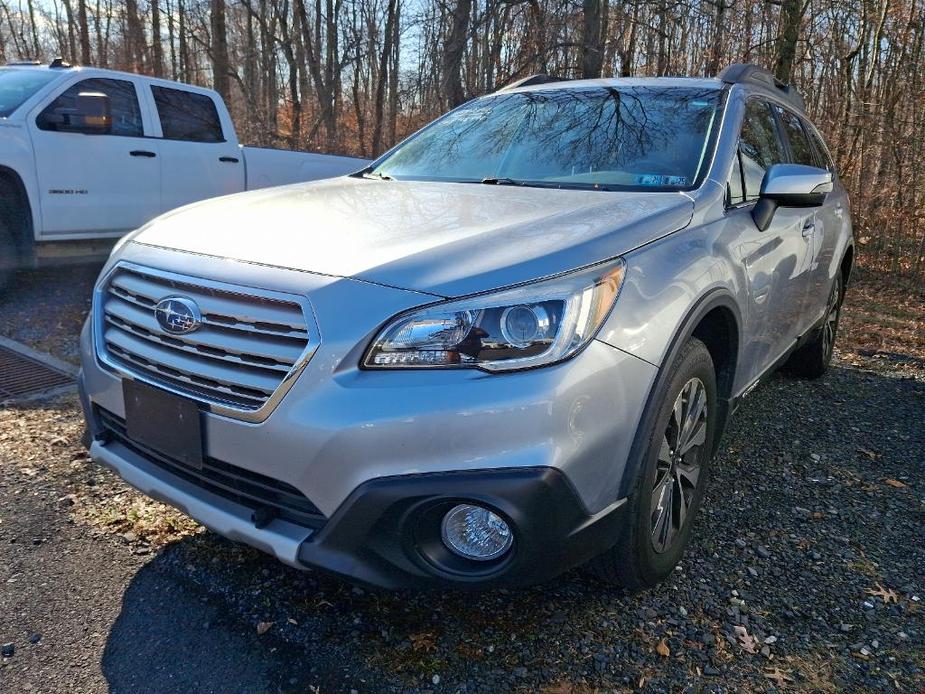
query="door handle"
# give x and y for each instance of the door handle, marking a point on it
(229, 160)
(809, 226)
(142, 153)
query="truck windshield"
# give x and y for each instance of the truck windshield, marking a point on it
(625, 138)
(18, 85)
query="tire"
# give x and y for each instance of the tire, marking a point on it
(9, 253)
(651, 543)
(9, 246)
(812, 360)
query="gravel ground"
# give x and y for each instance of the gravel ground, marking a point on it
(807, 570)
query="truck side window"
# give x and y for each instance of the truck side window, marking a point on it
(123, 100)
(187, 116)
(801, 150)
(759, 146)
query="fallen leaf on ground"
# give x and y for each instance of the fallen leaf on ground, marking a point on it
(425, 641)
(662, 648)
(895, 483)
(873, 455)
(888, 595)
(746, 640)
(779, 677)
(263, 627)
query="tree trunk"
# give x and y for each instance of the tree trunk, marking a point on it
(791, 17)
(157, 48)
(84, 32)
(592, 39)
(220, 71)
(452, 86)
(384, 56)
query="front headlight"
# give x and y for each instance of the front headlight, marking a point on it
(531, 325)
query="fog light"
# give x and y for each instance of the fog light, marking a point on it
(476, 533)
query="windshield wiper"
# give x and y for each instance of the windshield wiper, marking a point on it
(492, 181)
(376, 175)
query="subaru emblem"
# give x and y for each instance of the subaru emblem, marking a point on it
(178, 315)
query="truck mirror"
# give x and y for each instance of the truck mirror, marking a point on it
(91, 114)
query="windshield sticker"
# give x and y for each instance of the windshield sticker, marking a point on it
(660, 180)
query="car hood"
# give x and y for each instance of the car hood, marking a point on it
(446, 239)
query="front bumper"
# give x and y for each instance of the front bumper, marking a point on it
(371, 450)
(383, 534)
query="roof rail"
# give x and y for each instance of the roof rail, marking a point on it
(22, 63)
(530, 81)
(59, 63)
(747, 73)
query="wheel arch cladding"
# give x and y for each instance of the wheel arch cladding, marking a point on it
(714, 319)
(847, 265)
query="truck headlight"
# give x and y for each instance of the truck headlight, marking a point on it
(530, 325)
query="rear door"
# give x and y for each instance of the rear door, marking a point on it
(96, 184)
(200, 158)
(831, 222)
(775, 260)
(819, 226)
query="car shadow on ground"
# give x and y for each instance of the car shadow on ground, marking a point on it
(812, 505)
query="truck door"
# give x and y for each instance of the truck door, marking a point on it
(200, 155)
(92, 184)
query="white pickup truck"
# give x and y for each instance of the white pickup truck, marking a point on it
(87, 155)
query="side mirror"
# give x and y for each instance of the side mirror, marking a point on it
(790, 185)
(91, 114)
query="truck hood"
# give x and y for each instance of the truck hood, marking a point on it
(445, 239)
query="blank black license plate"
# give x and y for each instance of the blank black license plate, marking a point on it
(163, 422)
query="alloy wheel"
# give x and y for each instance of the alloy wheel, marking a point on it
(679, 464)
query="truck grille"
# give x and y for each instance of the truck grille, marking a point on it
(245, 349)
(269, 498)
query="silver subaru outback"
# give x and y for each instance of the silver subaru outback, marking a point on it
(506, 348)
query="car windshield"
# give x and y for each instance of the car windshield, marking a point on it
(18, 85)
(624, 138)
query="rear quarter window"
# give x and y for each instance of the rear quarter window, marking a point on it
(187, 116)
(801, 151)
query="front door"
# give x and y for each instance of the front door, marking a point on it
(93, 184)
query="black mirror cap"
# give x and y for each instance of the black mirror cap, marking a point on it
(764, 209)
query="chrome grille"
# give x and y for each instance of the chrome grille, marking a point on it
(247, 346)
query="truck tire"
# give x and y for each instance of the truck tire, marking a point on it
(10, 251)
(674, 472)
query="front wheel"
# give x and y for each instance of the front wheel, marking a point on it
(670, 483)
(9, 254)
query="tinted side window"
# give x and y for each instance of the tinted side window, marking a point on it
(123, 100)
(759, 146)
(187, 116)
(800, 149)
(825, 159)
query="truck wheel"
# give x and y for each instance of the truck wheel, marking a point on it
(9, 241)
(671, 479)
(813, 359)
(9, 253)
